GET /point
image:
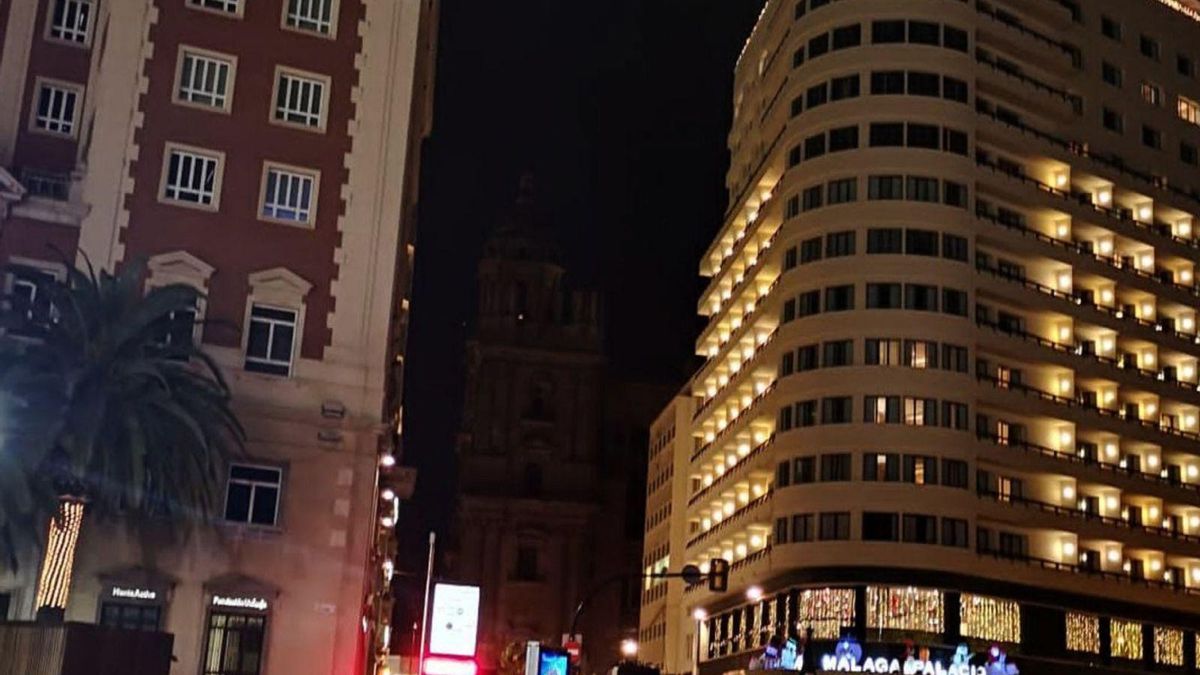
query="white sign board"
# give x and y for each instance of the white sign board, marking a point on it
(455, 620)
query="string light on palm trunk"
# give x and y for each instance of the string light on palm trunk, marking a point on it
(54, 584)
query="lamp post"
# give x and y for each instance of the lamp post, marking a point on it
(629, 649)
(699, 614)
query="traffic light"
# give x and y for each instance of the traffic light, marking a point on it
(718, 575)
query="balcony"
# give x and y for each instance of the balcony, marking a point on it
(82, 649)
(723, 478)
(733, 423)
(1080, 569)
(1047, 507)
(1006, 19)
(733, 518)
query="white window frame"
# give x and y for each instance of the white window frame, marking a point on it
(228, 60)
(330, 32)
(293, 348)
(276, 288)
(322, 117)
(67, 88)
(66, 32)
(216, 155)
(239, 7)
(297, 172)
(229, 481)
(1188, 109)
(53, 269)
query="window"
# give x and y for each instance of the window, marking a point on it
(806, 413)
(954, 302)
(922, 189)
(810, 250)
(924, 33)
(835, 526)
(921, 242)
(224, 6)
(885, 240)
(881, 409)
(234, 644)
(954, 473)
(50, 184)
(204, 79)
(1152, 93)
(954, 89)
(289, 195)
(955, 141)
(816, 95)
(839, 298)
(954, 38)
(1110, 28)
(252, 495)
(812, 198)
(798, 105)
(792, 208)
(1112, 120)
(802, 527)
(835, 467)
(954, 247)
(923, 136)
(954, 194)
(843, 191)
(920, 470)
(883, 351)
(836, 410)
(1148, 46)
(1151, 137)
(886, 134)
(787, 364)
(924, 84)
(270, 340)
(920, 297)
(881, 467)
(1111, 74)
(885, 187)
(70, 20)
(300, 99)
(789, 311)
(310, 15)
(192, 176)
(794, 155)
(883, 296)
(818, 46)
(887, 82)
(1185, 65)
(847, 36)
(798, 58)
(57, 107)
(920, 412)
(790, 260)
(527, 563)
(845, 138)
(5, 601)
(954, 532)
(919, 529)
(838, 353)
(808, 303)
(177, 329)
(1189, 110)
(880, 526)
(887, 32)
(920, 354)
(1187, 153)
(806, 358)
(838, 244)
(804, 470)
(786, 422)
(954, 358)
(131, 616)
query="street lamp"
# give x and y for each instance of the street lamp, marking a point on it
(629, 649)
(699, 614)
(754, 593)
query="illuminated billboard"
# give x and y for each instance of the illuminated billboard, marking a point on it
(454, 620)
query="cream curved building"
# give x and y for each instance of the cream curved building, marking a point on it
(949, 394)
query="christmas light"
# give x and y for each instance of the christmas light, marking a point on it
(54, 584)
(1168, 646)
(1126, 638)
(905, 608)
(1083, 633)
(826, 611)
(990, 619)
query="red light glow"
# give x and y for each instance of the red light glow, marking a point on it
(441, 665)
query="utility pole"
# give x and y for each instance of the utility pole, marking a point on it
(425, 608)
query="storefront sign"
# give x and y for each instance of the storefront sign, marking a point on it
(257, 604)
(455, 620)
(881, 664)
(133, 593)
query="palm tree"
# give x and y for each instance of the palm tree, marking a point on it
(102, 403)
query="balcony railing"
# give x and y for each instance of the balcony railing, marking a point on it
(1078, 301)
(1061, 348)
(1085, 406)
(1111, 260)
(1060, 510)
(1004, 68)
(986, 9)
(1084, 459)
(721, 434)
(723, 478)
(728, 385)
(1044, 563)
(735, 517)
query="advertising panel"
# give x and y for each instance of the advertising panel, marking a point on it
(455, 620)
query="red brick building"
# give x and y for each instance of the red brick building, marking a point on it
(266, 152)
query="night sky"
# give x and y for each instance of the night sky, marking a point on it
(620, 109)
